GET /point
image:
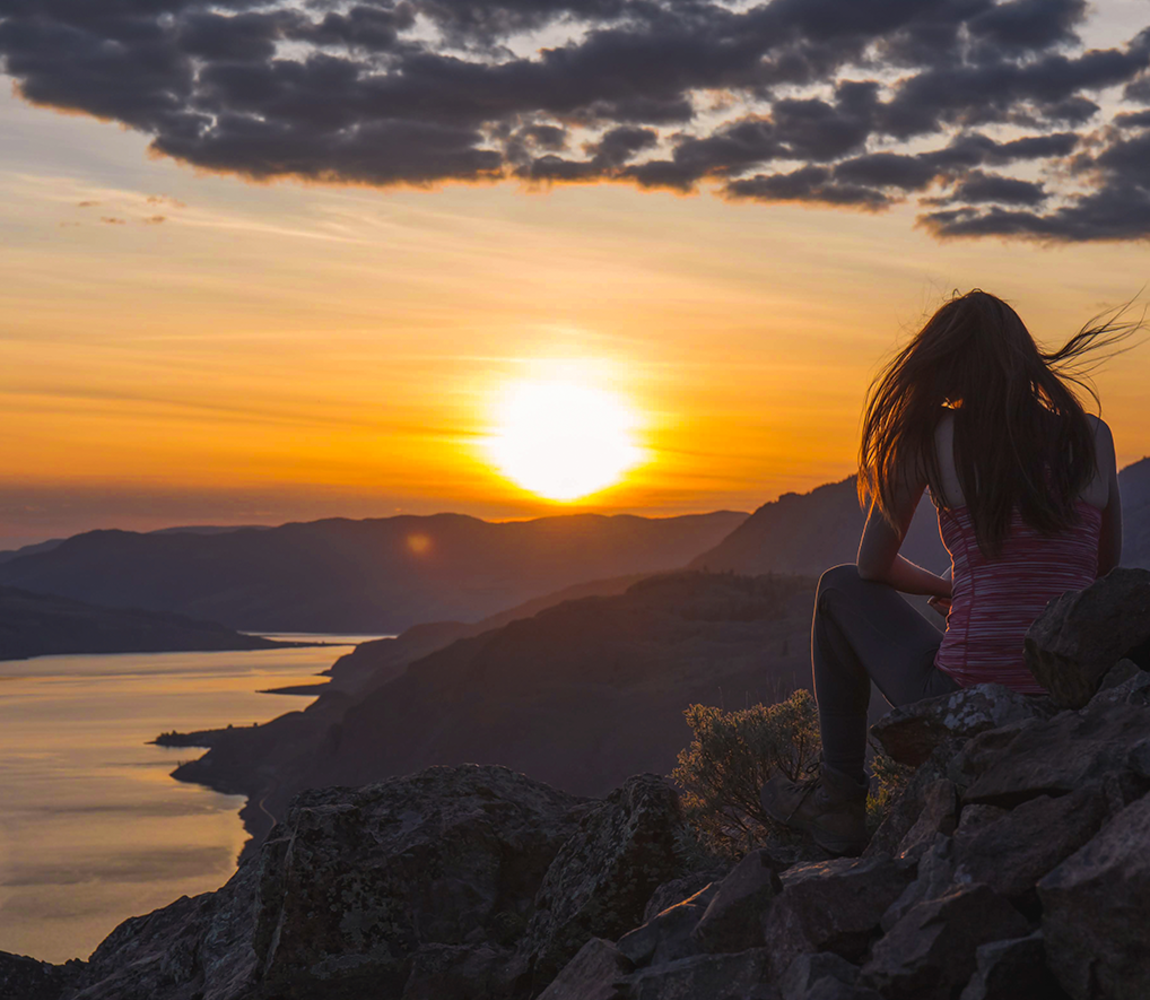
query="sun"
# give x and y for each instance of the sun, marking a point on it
(563, 440)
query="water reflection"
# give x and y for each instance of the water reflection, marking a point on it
(92, 828)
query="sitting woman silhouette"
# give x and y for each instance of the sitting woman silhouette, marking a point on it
(1026, 488)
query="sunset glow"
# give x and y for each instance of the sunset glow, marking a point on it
(563, 441)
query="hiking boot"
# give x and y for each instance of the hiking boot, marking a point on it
(831, 807)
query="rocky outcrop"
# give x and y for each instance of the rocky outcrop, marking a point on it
(363, 889)
(604, 875)
(1096, 911)
(1084, 633)
(1014, 864)
(910, 734)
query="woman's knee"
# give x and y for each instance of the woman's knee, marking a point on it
(837, 580)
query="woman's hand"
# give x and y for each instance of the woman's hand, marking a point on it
(940, 604)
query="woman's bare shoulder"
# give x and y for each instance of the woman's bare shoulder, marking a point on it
(1100, 427)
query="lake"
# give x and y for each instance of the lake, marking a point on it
(92, 828)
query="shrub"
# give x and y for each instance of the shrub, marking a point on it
(890, 780)
(729, 760)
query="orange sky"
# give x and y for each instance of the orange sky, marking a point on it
(285, 351)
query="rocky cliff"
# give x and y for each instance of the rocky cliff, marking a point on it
(579, 695)
(1014, 864)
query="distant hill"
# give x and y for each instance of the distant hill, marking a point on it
(1134, 481)
(7, 555)
(372, 664)
(380, 575)
(579, 695)
(43, 625)
(809, 532)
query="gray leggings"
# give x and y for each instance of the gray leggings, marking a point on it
(864, 631)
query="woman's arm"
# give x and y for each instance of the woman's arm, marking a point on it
(1110, 541)
(878, 557)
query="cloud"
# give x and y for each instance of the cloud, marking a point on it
(841, 103)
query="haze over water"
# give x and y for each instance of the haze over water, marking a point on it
(92, 828)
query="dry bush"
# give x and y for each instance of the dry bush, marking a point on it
(729, 760)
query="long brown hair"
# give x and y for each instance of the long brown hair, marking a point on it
(1021, 436)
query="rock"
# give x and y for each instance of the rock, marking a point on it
(667, 937)
(906, 809)
(198, 947)
(977, 815)
(600, 881)
(938, 816)
(1096, 912)
(1126, 682)
(930, 953)
(358, 886)
(1013, 853)
(1083, 633)
(23, 978)
(597, 972)
(1056, 756)
(733, 920)
(743, 976)
(832, 906)
(455, 972)
(935, 878)
(978, 753)
(1012, 970)
(911, 733)
(829, 988)
(807, 970)
(678, 889)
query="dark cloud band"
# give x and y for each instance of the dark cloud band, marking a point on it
(855, 103)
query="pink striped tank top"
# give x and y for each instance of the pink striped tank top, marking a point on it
(995, 600)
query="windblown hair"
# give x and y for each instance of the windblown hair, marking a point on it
(1021, 436)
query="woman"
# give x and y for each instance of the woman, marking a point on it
(1026, 487)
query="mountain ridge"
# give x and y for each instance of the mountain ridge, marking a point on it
(377, 575)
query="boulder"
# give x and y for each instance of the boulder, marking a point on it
(911, 733)
(938, 816)
(978, 753)
(832, 906)
(905, 810)
(678, 889)
(1082, 634)
(1126, 682)
(733, 920)
(1012, 970)
(934, 879)
(744, 976)
(930, 954)
(597, 972)
(195, 947)
(1057, 756)
(829, 988)
(600, 881)
(1014, 852)
(359, 886)
(1096, 912)
(807, 970)
(667, 936)
(23, 978)
(456, 972)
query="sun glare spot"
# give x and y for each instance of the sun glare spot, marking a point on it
(419, 544)
(563, 440)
